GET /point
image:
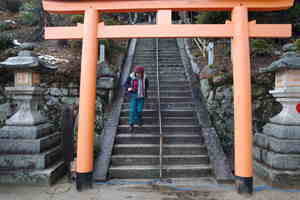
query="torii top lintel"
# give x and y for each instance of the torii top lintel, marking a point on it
(79, 6)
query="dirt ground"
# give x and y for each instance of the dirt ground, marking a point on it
(142, 190)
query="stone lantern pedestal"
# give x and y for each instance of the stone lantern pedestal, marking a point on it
(277, 148)
(29, 146)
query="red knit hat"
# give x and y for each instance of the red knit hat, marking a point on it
(139, 69)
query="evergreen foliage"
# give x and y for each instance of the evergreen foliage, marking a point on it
(261, 47)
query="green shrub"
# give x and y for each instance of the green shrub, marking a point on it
(5, 41)
(261, 47)
(13, 5)
(29, 18)
(297, 43)
(75, 44)
(3, 26)
(112, 48)
(212, 17)
(77, 19)
(29, 14)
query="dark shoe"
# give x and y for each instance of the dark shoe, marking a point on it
(140, 123)
(131, 128)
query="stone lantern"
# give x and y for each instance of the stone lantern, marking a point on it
(29, 146)
(277, 148)
(107, 80)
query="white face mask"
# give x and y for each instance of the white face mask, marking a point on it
(138, 75)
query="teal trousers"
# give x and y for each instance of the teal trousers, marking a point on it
(136, 109)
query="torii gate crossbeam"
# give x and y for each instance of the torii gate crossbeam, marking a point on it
(239, 29)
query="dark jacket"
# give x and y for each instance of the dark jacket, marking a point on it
(128, 84)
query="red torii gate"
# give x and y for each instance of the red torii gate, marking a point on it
(239, 29)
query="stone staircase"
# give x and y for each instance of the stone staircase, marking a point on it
(136, 155)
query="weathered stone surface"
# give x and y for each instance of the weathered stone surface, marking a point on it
(29, 146)
(29, 132)
(106, 83)
(28, 161)
(25, 53)
(277, 177)
(290, 54)
(20, 62)
(281, 131)
(70, 100)
(282, 161)
(257, 153)
(285, 146)
(105, 70)
(289, 47)
(282, 93)
(74, 92)
(277, 145)
(289, 114)
(205, 88)
(36, 177)
(28, 45)
(217, 157)
(290, 62)
(55, 92)
(261, 140)
(5, 111)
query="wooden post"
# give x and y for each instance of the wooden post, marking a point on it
(87, 103)
(242, 101)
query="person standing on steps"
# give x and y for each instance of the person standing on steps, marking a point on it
(136, 86)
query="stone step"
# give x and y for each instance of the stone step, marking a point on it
(171, 49)
(153, 149)
(33, 146)
(155, 139)
(150, 59)
(152, 171)
(162, 105)
(163, 66)
(27, 161)
(167, 129)
(121, 160)
(168, 78)
(165, 113)
(170, 87)
(154, 73)
(160, 53)
(173, 56)
(165, 121)
(161, 63)
(44, 177)
(164, 83)
(152, 94)
(164, 70)
(173, 71)
(179, 76)
(166, 99)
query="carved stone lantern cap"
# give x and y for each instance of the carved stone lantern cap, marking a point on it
(25, 60)
(288, 61)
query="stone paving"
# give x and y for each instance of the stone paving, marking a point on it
(208, 191)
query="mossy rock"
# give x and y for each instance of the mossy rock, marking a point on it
(297, 44)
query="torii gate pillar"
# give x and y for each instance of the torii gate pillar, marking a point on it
(87, 103)
(242, 100)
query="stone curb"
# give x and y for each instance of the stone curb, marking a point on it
(216, 154)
